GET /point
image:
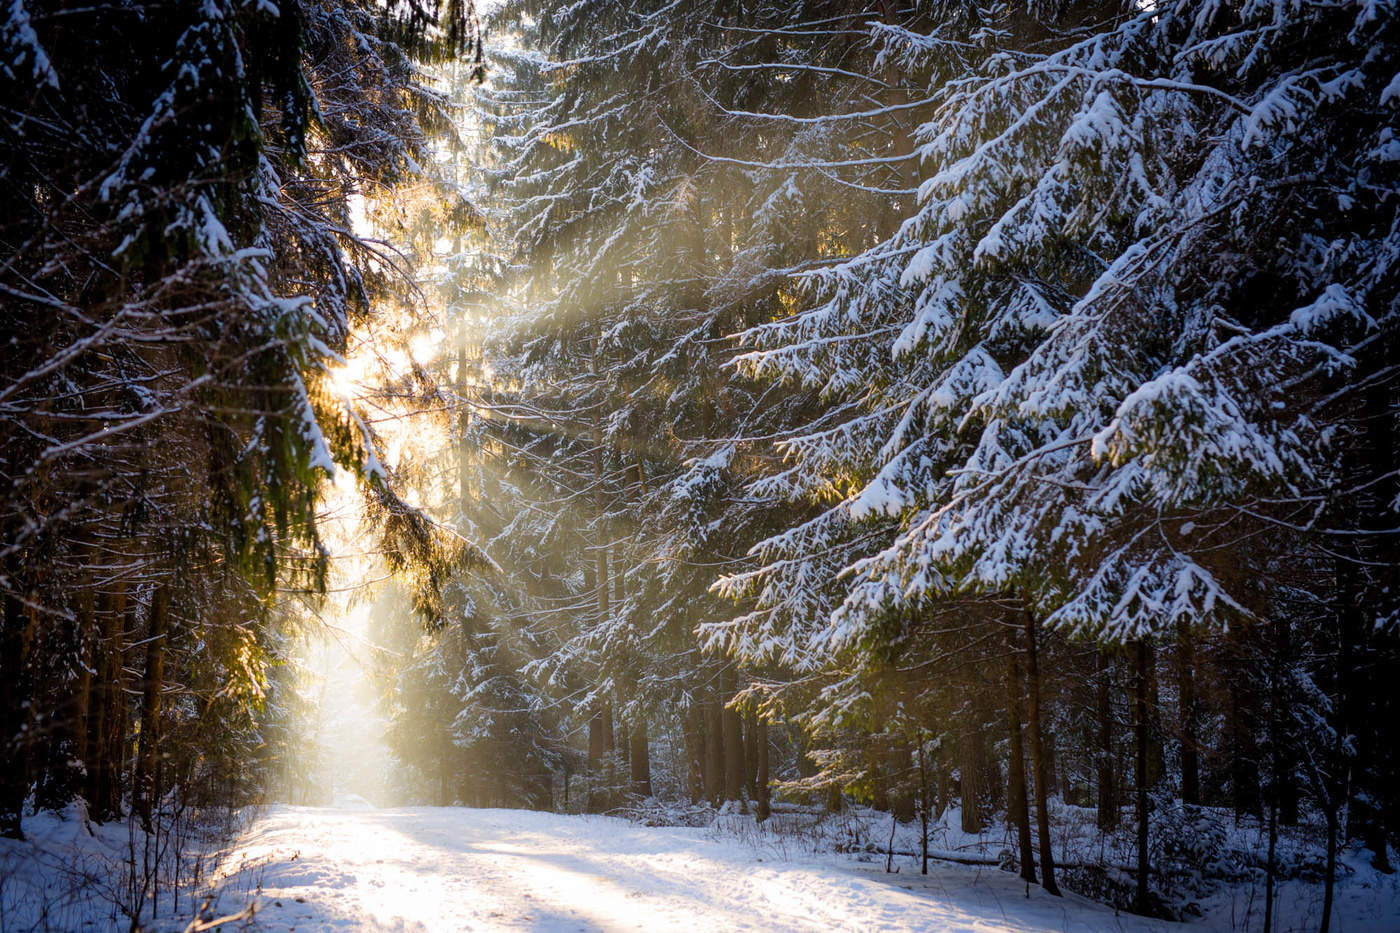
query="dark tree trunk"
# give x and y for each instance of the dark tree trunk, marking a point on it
(714, 752)
(751, 755)
(14, 705)
(733, 742)
(1243, 751)
(1271, 862)
(1016, 771)
(970, 777)
(764, 807)
(1140, 902)
(1189, 716)
(923, 806)
(108, 723)
(1038, 762)
(694, 736)
(144, 789)
(1107, 787)
(1329, 878)
(609, 737)
(639, 761)
(901, 792)
(598, 731)
(877, 758)
(87, 627)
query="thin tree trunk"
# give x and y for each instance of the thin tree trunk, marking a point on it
(597, 753)
(14, 778)
(1107, 790)
(1042, 810)
(145, 791)
(1189, 719)
(1271, 862)
(87, 633)
(600, 733)
(714, 752)
(109, 723)
(901, 792)
(764, 807)
(733, 741)
(1329, 879)
(970, 779)
(923, 806)
(694, 736)
(751, 755)
(1140, 731)
(640, 762)
(1016, 771)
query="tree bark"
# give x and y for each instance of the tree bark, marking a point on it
(108, 723)
(764, 807)
(144, 789)
(597, 756)
(14, 704)
(1329, 878)
(923, 806)
(1016, 771)
(1038, 762)
(714, 752)
(694, 737)
(751, 755)
(1107, 788)
(901, 792)
(1140, 733)
(733, 741)
(969, 770)
(640, 762)
(1189, 716)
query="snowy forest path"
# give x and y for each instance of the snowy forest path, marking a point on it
(448, 868)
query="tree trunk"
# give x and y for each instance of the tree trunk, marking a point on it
(1188, 716)
(14, 705)
(640, 762)
(714, 752)
(87, 628)
(764, 807)
(108, 723)
(694, 736)
(1271, 862)
(1141, 737)
(897, 98)
(597, 755)
(1016, 771)
(877, 761)
(751, 755)
(144, 789)
(969, 767)
(1107, 789)
(923, 806)
(901, 792)
(1329, 878)
(733, 741)
(1038, 762)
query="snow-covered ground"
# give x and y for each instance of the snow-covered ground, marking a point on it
(431, 868)
(353, 867)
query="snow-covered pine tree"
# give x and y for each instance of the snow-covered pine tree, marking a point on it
(1137, 318)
